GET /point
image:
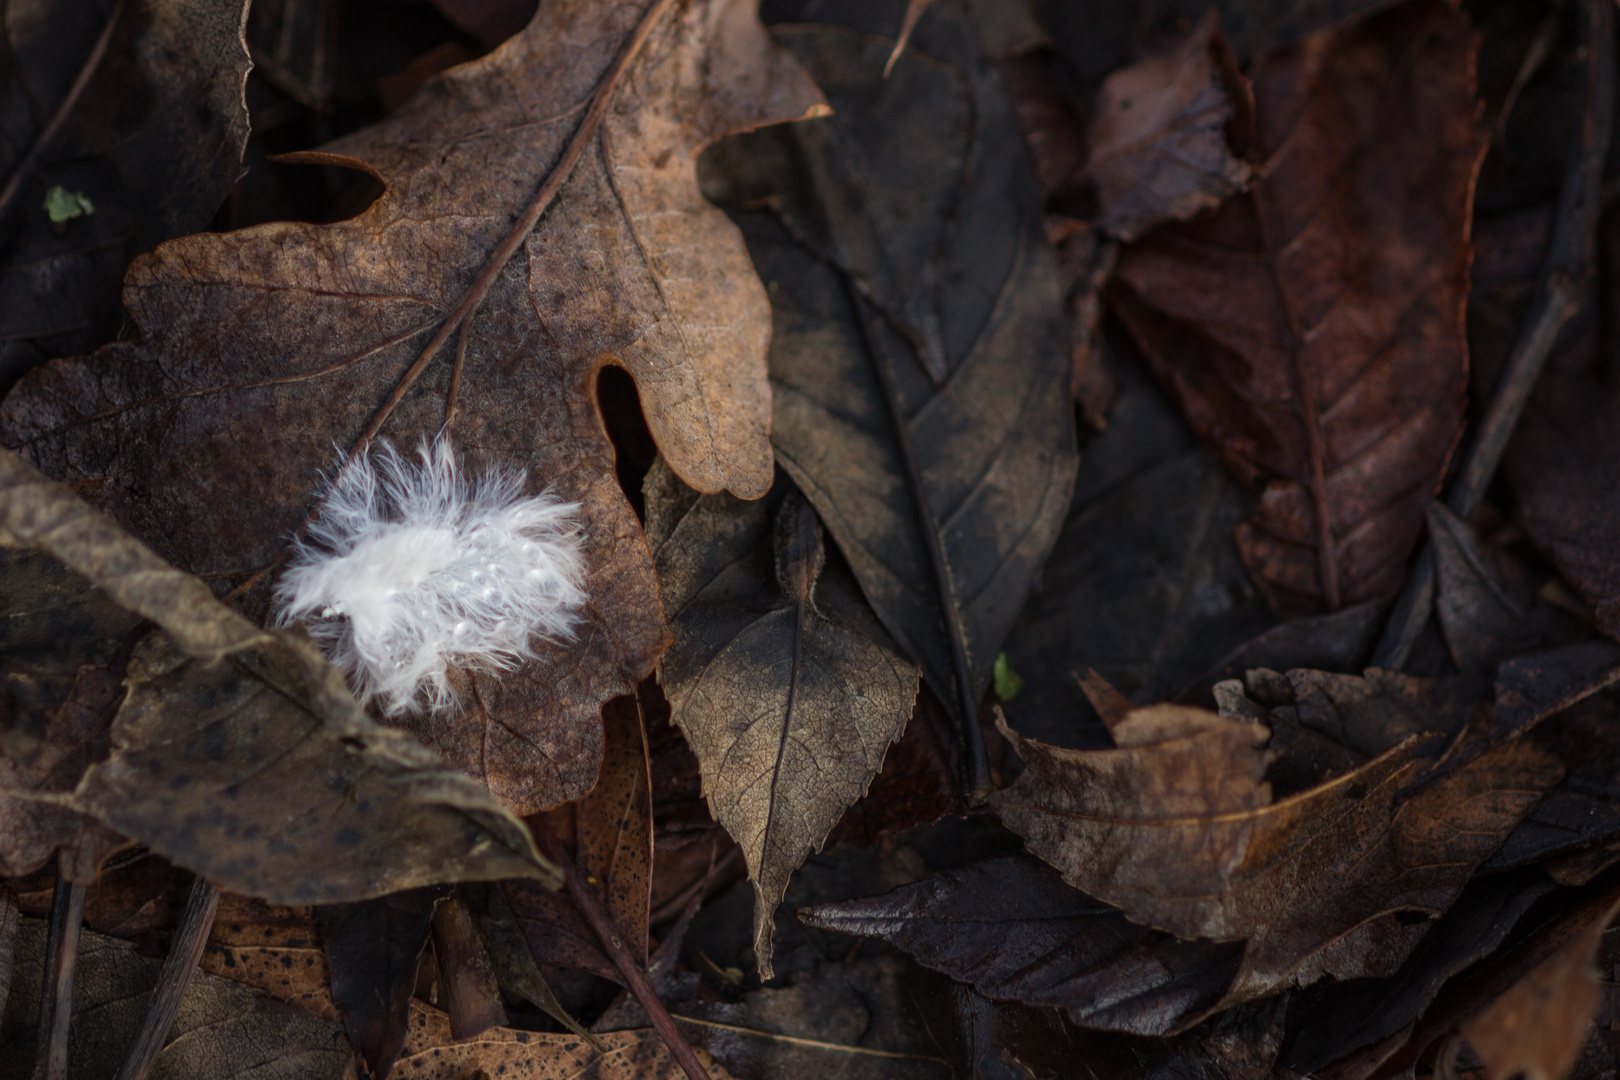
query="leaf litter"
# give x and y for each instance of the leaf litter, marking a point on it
(1100, 367)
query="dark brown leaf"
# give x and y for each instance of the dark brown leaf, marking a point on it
(787, 700)
(1534, 971)
(9, 924)
(917, 785)
(1538, 1027)
(1563, 467)
(917, 334)
(261, 349)
(467, 985)
(555, 930)
(852, 1021)
(223, 1031)
(1145, 586)
(1177, 827)
(1012, 929)
(373, 951)
(1338, 1018)
(1483, 605)
(1311, 328)
(1583, 811)
(615, 832)
(154, 142)
(239, 752)
(1160, 139)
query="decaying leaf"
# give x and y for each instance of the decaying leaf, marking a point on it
(224, 1030)
(431, 1054)
(1312, 327)
(1160, 143)
(615, 831)
(1340, 1018)
(1177, 827)
(1484, 612)
(787, 700)
(1538, 1027)
(1144, 585)
(854, 1021)
(236, 752)
(918, 333)
(153, 142)
(261, 349)
(373, 951)
(1014, 931)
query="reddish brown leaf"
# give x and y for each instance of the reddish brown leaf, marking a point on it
(615, 834)
(1161, 141)
(260, 349)
(1311, 328)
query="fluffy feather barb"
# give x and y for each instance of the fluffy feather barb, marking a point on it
(411, 568)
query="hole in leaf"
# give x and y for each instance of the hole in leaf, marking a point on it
(633, 448)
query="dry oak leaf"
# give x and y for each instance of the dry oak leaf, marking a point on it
(261, 349)
(1177, 827)
(1311, 328)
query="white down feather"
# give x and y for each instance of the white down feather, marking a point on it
(411, 568)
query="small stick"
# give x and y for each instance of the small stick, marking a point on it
(1569, 255)
(26, 168)
(590, 906)
(196, 923)
(56, 999)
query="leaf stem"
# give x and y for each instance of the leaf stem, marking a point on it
(92, 63)
(196, 923)
(1564, 273)
(56, 997)
(590, 906)
(976, 764)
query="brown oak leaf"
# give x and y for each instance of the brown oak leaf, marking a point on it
(1311, 328)
(541, 202)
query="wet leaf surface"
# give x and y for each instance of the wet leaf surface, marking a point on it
(917, 326)
(208, 437)
(1311, 329)
(153, 142)
(789, 705)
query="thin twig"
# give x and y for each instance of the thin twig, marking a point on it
(976, 764)
(590, 906)
(601, 98)
(56, 995)
(1564, 273)
(196, 923)
(26, 168)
